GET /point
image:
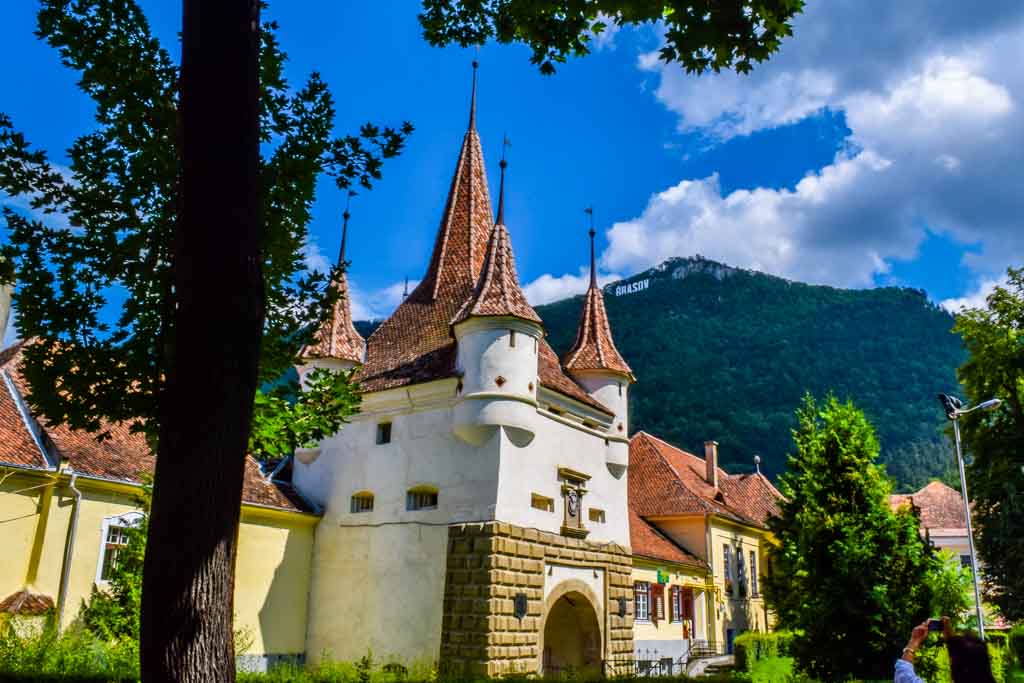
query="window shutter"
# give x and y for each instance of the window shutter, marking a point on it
(657, 597)
(673, 613)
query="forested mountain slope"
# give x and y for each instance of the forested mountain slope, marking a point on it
(726, 354)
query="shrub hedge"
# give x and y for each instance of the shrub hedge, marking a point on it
(749, 648)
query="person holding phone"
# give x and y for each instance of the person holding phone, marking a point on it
(968, 655)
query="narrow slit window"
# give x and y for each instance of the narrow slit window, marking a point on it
(383, 433)
(512, 338)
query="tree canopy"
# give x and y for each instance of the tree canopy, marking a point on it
(851, 576)
(93, 259)
(700, 35)
(994, 337)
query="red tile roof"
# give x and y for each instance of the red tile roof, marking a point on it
(941, 507)
(594, 348)
(16, 443)
(646, 540)
(337, 338)
(123, 457)
(665, 480)
(26, 603)
(416, 343)
(498, 292)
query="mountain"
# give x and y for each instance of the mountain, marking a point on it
(724, 353)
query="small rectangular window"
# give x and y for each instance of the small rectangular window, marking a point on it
(512, 338)
(727, 567)
(965, 561)
(362, 502)
(421, 500)
(117, 538)
(596, 515)
(542, 502)
(383, 432)
(753, 573)
(642, 601)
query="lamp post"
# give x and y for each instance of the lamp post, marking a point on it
(954, 409)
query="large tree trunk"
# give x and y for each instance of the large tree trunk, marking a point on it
(213, 352)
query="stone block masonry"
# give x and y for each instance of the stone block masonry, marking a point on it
(490, 564)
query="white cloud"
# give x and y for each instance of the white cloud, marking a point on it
(931, 97)
(313, 257)
(548, 288)
(977, 298)
(605, 40)
(377, 304)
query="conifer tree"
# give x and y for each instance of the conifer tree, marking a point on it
(849, 574)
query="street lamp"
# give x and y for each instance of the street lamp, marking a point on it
(954, 409)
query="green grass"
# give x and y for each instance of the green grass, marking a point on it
(772, 670)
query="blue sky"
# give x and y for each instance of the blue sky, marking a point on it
(879, 147)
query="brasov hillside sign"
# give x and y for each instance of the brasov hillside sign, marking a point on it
(633, 287)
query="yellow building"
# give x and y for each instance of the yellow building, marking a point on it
(65, 499)
(700, 533)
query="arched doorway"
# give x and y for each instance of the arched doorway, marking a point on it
(572, 636)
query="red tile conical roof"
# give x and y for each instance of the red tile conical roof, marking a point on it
(498, 292)
(594, 348)
(415, 344)
(337, 337)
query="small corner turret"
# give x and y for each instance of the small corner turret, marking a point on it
(595, 363)
(498, 335)
(336, 345)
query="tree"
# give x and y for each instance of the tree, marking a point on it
(176, 214)
(849, 574)
(176, 219)
(699, 34)
(994, 337)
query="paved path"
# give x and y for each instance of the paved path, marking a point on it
(697, 667)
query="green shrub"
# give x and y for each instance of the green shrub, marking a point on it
(751, 647)
(1015, 644)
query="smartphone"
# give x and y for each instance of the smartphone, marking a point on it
(935, 624)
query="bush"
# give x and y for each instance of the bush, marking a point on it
(1015, 643)
(751, 647)
(44, 653)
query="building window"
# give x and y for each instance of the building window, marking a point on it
(965, 561)
(620, 388)
(512, 338)
(675, 612)
(540, 502)
(753, 574)
(642, 600)
(383, 433)
(727, 567)
(113, 539)
(596, 515)
(362, 502)
(421, 499)
(741, 572)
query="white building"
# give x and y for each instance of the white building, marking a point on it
(476, 506)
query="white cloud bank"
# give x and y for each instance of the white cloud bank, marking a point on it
(932, 96)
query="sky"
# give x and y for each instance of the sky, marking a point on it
(881, 146)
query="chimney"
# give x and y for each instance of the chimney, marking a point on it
(5, 310)
(711, 462)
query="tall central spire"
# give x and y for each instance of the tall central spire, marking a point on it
(466, 224)
(472, 98)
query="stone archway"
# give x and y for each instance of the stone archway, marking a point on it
(571, 633)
